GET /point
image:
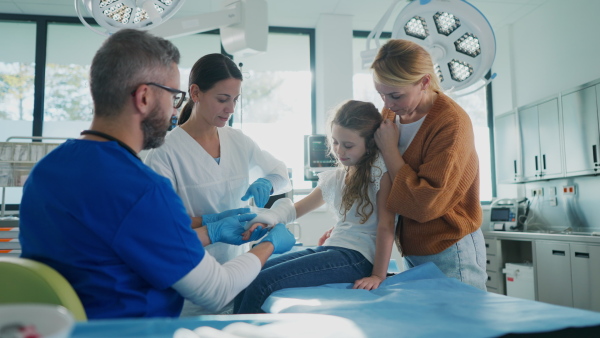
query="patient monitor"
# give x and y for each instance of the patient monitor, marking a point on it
(316, 156)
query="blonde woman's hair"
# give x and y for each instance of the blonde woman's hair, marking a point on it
(400, 63)
(364, 118)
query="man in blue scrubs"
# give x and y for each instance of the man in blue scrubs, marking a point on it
(110, 225)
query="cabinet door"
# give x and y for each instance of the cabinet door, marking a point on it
(580, 131)
(506, 148)
(530, 142)
(553, 270)
(550, 141)
(585, 266)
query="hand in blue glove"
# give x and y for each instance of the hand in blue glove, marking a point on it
(283, 240)
(260, 190)
(210, 218)
(229, 229)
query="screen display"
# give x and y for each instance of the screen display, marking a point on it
(500, 214)
(318, 152)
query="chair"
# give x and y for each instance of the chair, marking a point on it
(28, 281)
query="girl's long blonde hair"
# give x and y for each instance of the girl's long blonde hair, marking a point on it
(364, 118)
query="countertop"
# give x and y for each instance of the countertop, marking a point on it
(543, 235)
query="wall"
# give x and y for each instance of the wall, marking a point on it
(550, 50)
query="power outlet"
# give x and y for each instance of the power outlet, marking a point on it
(537, 192)
(569, 190)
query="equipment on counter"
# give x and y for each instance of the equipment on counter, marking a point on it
(504, 215)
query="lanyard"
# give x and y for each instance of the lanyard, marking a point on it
(110, 138)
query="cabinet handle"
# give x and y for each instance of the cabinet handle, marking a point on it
(544, 161)
(536, 164)
(558, 252)
(488, 261)
(595, 154)
(489, 278)
(515, 165)
(487, 245)
(582, 254)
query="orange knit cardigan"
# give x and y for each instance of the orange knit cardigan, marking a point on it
(437, 191)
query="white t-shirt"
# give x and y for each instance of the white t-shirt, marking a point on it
(350, 233)
(407, 133)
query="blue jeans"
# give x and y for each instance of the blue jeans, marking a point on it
(464, 260)
(310, 267)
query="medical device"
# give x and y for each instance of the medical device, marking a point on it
(457, 35)
(316, 156)
(504, 215)
(243, 24)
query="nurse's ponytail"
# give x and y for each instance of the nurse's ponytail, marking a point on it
(185, 113)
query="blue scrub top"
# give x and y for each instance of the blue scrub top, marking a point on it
(114, 228)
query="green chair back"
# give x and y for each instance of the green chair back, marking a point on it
(27, 281)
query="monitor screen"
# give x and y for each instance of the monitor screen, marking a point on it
(318, 152)
(500, 214)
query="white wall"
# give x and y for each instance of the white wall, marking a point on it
(550, 50)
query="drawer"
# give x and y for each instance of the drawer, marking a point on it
(491, 246)
(493, 279)
(494, 290)
(491, 263)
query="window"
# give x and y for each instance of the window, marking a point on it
(67, 99)
(193, 47)
(275, 107)
(475, 104)
(17, 69)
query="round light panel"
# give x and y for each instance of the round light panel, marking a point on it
(113, 15)
(456, 34)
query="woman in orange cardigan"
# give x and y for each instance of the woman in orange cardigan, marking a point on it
(431, 159)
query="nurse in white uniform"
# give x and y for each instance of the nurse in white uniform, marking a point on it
(210, 163)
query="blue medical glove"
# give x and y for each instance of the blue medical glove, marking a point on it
(210, 218)
(258, 233)
(283, 240)
(229, 230)
(260, 190)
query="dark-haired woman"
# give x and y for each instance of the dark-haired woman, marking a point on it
(208, 162)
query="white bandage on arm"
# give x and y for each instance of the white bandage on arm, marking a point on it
(282, 211)
(212, 285)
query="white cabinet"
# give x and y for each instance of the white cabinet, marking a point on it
(580, 129)
(506, 148)
(568, 274)
(553, 272)
(585, 276)
(539, 130)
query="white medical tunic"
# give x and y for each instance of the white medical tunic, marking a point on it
(208, 187)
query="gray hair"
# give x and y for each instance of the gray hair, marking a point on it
(125, 60)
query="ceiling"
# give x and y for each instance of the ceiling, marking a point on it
(298, 13)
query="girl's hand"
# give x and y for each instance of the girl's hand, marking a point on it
(368, 283)
(323, 238)
(248, 233)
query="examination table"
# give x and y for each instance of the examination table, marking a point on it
(420, 302)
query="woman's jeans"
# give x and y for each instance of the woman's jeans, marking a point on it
(310, 267)
(464, 260)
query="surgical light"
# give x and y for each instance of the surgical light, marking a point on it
(445, 22)
(417, 27)
(462, 46)
(243, 24)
